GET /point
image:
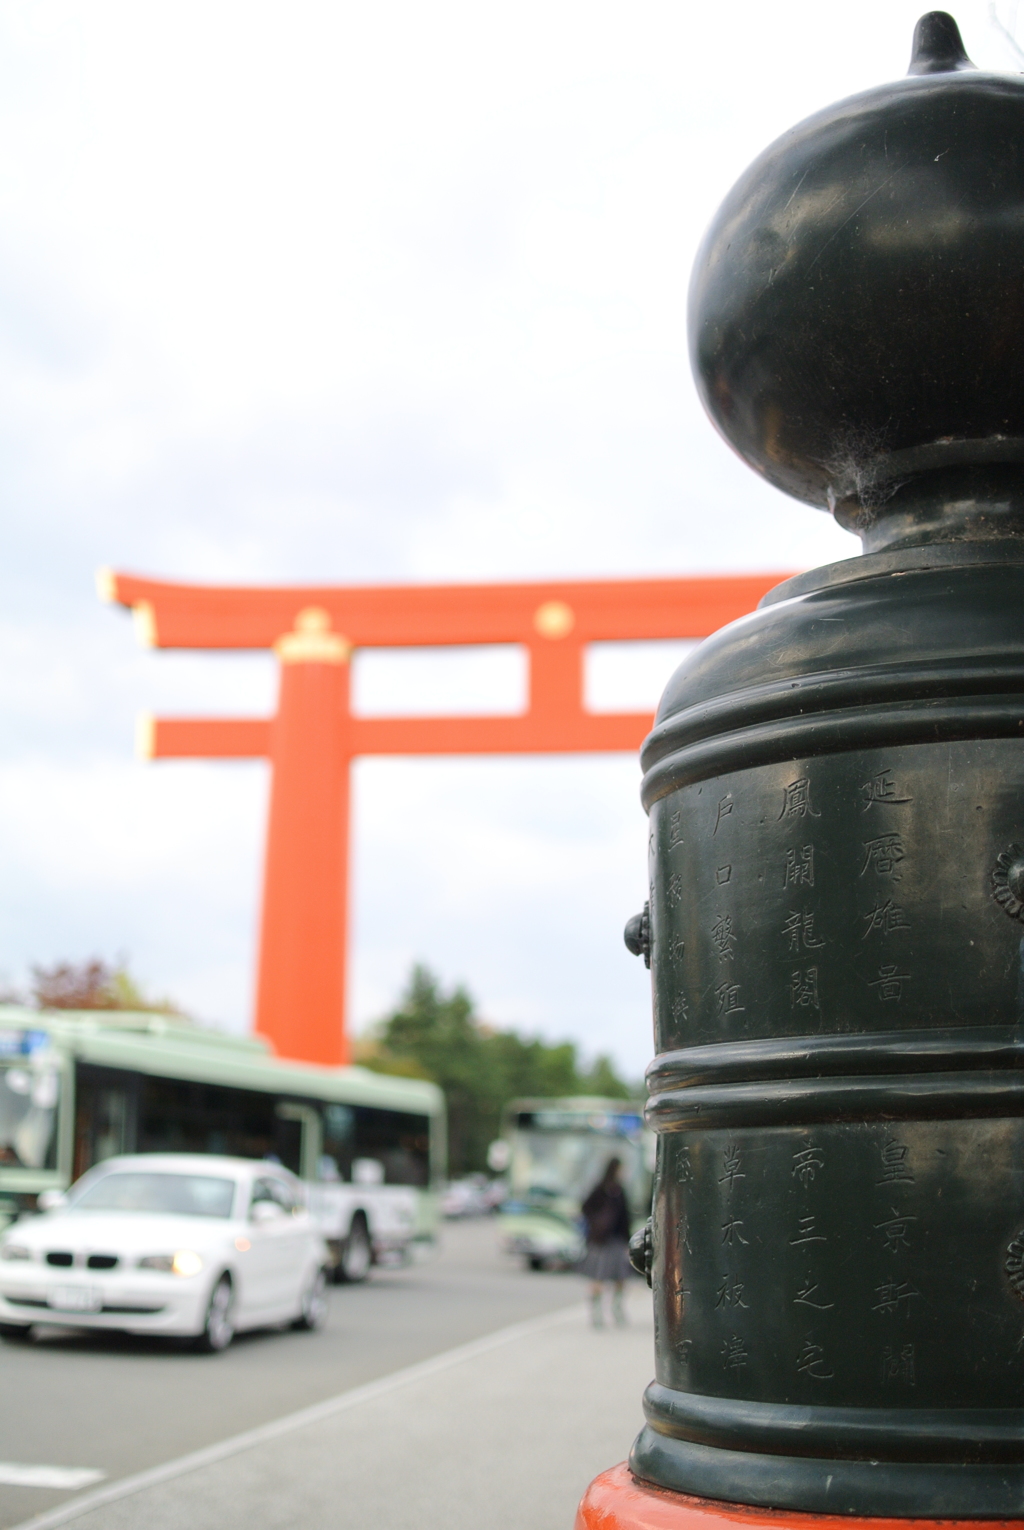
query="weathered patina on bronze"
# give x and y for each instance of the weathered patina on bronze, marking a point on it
(836, 796)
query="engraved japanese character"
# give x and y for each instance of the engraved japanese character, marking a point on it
(890, 981)
(890, 1293)
(727, 996)
(683, 1348)
(723, 874)
(807, 1231)
(806, 1297)
(730, 1293)
(734, 1354)
(898, 1367)
(684, 1234)
(894, 1231)
(883, 855)
(803, 989)
(675, 828)
(881, 788)
(799, 866)
(796, 800)
(894, 1164)
(731, 1166)
(676, 948)
(731, 1230)
(685, 1167)
(799, 930)
(887, 917)
(811, 1361)
(674, 890)
(725, 807)
(679, 1008)
(806, 1161)
(723, 937)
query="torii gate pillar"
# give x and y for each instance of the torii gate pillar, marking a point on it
(300, 993)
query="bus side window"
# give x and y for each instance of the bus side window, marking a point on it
(181, 1116)
(398, 1140)
(105, 1115)
(338, 1143)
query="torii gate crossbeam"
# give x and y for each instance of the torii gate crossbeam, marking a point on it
(313, 738)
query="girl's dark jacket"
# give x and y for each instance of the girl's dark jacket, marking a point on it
(606, 1215)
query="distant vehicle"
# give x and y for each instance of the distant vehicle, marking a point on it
(553, 1153)
(474, 1196)
(180, 1244)
(76, 1089)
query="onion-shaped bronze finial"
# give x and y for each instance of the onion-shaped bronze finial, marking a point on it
(857, 305)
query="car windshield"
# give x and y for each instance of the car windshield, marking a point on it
(187, 1195)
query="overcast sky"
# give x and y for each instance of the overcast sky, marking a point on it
(335, 291)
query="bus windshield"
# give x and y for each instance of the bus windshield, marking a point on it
(29, 1088)
(558, 1155)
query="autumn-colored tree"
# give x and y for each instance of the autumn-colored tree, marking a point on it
(93, 984)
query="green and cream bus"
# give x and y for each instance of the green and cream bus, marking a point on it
(77, 1087)
(552, 1153)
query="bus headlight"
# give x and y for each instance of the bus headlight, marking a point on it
(14, 1251)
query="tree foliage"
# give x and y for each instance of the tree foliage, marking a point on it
(92, 984)
(439, 1036)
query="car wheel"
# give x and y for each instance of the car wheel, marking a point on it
(219, 1327)
(314, 1302)
(16, 1333)
(535, 1262)
(356, 1253)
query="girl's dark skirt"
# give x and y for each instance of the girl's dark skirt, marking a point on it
(606, 1261)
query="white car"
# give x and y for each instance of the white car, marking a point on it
(168, 1243)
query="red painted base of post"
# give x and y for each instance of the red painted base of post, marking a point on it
(616, 1500)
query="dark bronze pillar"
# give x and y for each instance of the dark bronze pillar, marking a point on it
(835, 787)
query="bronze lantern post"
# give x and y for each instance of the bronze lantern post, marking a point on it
(835, 787)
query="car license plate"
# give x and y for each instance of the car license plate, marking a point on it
(75, 1299)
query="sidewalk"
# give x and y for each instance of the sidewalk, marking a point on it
(504, 1433)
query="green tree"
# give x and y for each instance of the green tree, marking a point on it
(438, 1036)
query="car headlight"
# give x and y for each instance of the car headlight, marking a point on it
(14, 1251)
(184, 1262)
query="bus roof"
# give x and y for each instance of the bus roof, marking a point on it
(169, 1046)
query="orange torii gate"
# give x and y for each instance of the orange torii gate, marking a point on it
(300, 1003)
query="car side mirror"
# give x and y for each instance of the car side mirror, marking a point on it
(50, 1200)
(265, 1211)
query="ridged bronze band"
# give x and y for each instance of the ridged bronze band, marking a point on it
(872, 1052)
(699, 752)
(819, 1485)
(801, 1102)
(849, 1434)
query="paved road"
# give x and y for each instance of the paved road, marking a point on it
(121, 1405)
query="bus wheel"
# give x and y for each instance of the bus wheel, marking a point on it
(16, 1333)
(356, 1252)
(314, 1303)
(219, 1328)
(535, 1262)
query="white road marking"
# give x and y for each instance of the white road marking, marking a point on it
(312, 1415)
(14, 1475)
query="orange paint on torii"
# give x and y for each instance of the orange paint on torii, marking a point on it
(312, 740)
